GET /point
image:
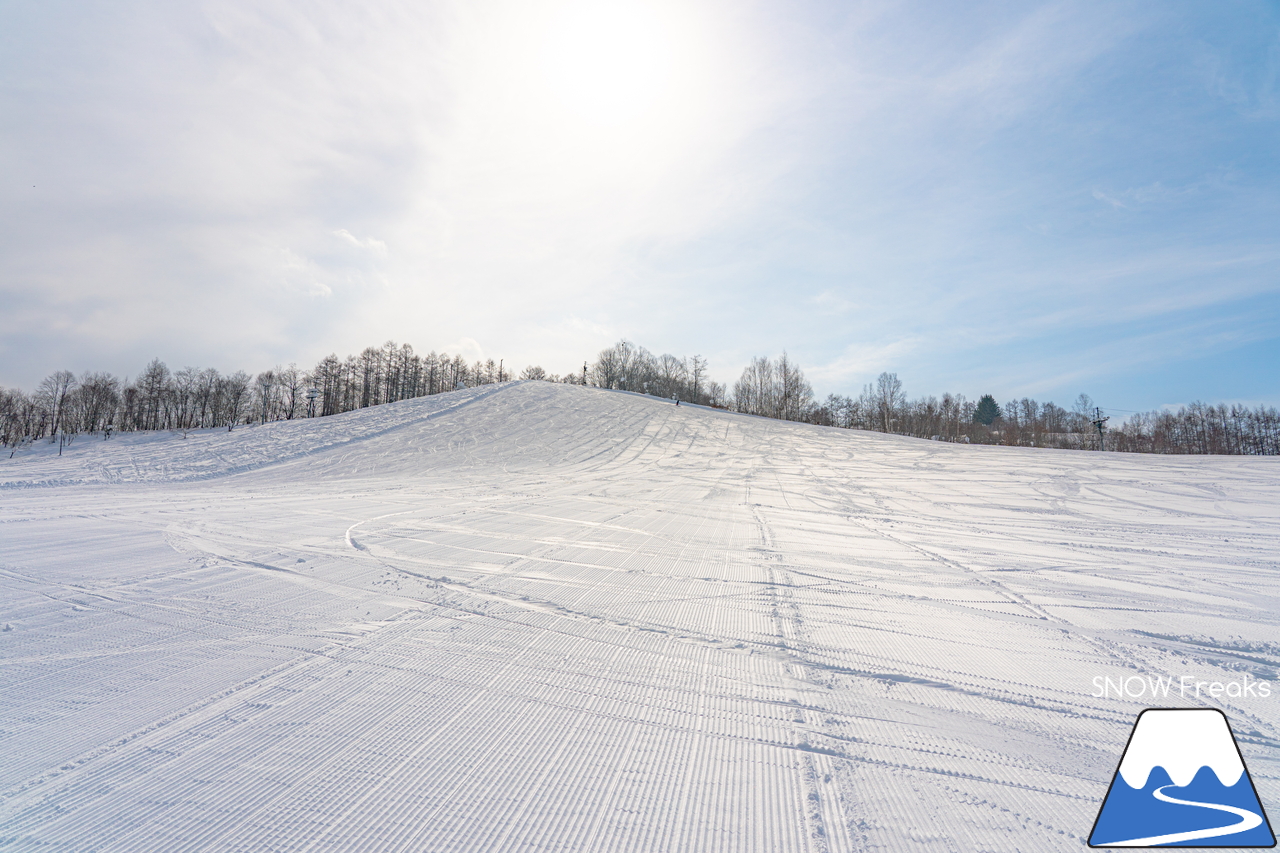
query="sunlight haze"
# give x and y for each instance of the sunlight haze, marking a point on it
(1018, 199)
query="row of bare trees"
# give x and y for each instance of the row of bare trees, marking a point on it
(61, 403)
(393, 372)
(884, 407)
(64, 404)
(774, 389)
(1197, 428)
(1201, 428)
(194, 398)
(629, 367)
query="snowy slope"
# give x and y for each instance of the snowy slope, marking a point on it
(538, 617)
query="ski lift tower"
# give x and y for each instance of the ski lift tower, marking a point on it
(312, 394)
(1099, 420)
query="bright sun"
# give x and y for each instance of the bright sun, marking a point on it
(611, 63)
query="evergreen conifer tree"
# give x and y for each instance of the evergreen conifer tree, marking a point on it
(988, 410)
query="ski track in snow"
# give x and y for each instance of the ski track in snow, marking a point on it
(534, 617)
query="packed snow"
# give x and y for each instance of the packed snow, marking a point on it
(537, 617)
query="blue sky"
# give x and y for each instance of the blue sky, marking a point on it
(1011, 198)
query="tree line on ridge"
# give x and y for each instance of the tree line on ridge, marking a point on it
(199, 398)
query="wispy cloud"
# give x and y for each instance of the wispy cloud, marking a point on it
(369, 243)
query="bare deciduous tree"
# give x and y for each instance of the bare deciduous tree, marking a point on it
(234, 393)
(889, 398)
(52, 393)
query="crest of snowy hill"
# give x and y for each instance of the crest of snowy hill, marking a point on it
(519, 422)
(178, 456)
(529, 425)
(526, 424)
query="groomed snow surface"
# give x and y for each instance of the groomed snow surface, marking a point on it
(535, 617)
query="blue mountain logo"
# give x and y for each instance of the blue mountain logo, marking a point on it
(1182, 783)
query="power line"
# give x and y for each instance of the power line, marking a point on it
(1099, 420)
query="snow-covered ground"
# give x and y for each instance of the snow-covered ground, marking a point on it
(539, 617)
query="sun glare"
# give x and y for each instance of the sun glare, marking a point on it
(572, 105)
(610, 63)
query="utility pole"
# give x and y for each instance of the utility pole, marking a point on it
(265, 388)
(1098, 421)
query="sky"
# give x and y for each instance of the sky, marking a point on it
(1014, 198)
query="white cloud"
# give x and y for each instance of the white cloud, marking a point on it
(1111, 200)
(369, 243)
(818, 176)
(468, 348)
(863, 361)
(830, 302)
